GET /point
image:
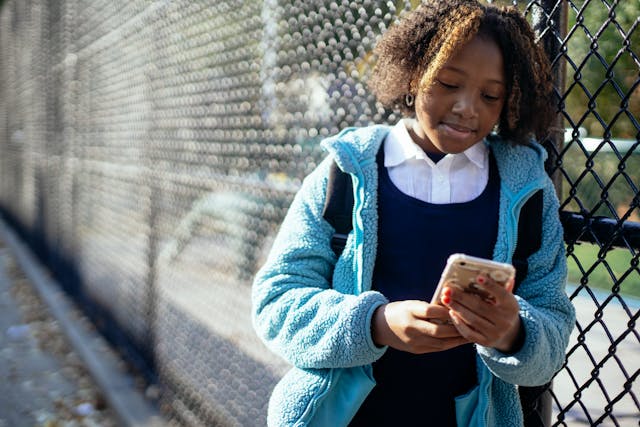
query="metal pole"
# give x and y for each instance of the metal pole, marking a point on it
(550, 24)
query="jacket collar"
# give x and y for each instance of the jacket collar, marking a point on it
(355, 147)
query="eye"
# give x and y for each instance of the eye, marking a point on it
(447, 85)
(490, 98)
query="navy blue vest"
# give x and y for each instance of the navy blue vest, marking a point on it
(415, 239)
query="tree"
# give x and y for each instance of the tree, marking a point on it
(603, 81)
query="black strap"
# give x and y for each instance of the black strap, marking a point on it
(338, 207)
(529, 235)
(536, 405)
(536, 401)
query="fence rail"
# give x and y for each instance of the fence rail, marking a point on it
(149, 151)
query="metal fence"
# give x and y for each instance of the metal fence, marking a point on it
(149, 150)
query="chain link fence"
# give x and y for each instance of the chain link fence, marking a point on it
(150, 149)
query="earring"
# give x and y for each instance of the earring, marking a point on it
(409, 100)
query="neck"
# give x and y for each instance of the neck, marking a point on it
(416, 134)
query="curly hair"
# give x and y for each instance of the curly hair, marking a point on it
(411, 52)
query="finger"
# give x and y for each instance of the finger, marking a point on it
(465, 330)
(475, 316)
(472, 302)
(415, 308)
(443, 330)
(479, 312)
(442, 344)
(510, 285)
(436, 311)
(436, 328)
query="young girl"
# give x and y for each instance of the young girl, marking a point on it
(367, 347)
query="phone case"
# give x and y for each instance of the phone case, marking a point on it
(462, 271)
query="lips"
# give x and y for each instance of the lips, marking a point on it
(457, 131)
(459, 128)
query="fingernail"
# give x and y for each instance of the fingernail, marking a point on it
(480, 280)
(446, 299)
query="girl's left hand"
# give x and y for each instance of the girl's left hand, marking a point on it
(491, 322)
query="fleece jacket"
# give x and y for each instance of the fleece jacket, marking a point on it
(315, 309)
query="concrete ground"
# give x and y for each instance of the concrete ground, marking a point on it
(55, 369)
(42, 380)
(610, 343)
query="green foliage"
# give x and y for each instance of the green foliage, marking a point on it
(603, 69)
(603, 95)
(614, 272)
(601, 183)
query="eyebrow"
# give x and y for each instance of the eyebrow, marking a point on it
(460, 71)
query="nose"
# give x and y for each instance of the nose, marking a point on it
(465, 106)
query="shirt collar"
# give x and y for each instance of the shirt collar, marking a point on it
(399, 147)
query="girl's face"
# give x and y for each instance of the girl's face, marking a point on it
(465, 100)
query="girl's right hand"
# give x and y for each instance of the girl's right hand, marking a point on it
(415, 327)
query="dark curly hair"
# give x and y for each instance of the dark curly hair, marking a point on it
(412, 51)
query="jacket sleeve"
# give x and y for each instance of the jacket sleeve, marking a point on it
(547, 315)
(295, 309)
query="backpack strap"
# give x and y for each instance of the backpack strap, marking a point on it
(536, 404)
(338, 207)
(536, 401)
(529, 236)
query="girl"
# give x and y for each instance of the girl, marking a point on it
(367, 348)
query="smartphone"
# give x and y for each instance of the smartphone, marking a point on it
(463, 270)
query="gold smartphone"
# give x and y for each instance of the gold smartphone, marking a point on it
(463, 270)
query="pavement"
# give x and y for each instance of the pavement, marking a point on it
(42, 380)
(609, 348)
(55, 369)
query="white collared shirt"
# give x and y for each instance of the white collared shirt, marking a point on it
(455, 178)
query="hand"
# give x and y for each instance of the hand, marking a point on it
(492, 322)
(407, 326)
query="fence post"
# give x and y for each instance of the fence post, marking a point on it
(550, 24)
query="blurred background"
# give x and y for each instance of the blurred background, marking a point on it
(150, 149)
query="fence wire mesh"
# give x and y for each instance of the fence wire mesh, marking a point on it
(150, 149)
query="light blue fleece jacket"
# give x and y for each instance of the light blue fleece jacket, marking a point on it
(315, 310)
